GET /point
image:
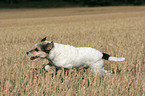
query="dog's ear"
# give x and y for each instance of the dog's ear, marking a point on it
(44, 39)
(47, 47)
(50, 45)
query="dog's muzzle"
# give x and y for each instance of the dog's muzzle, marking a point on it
(34, 57)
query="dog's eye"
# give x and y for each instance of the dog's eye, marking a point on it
(36, 49)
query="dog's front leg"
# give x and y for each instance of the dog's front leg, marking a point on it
(46, 67)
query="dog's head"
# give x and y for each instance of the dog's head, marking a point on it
(40, 50)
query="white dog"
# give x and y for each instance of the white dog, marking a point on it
(67, 56)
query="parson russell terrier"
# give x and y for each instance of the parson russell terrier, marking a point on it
(67, 56)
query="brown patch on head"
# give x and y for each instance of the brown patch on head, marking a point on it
(47, 46)
(50, 45)
(43, 42)
(34, 51)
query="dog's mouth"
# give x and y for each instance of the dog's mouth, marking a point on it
(34, 57)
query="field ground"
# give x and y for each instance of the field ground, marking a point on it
(119, 31)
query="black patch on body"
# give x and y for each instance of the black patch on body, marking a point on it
(105, 56)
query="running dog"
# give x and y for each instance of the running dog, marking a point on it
(67, 56)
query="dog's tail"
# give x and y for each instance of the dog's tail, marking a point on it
(111, 58)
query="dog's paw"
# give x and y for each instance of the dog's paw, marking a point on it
(45, 67)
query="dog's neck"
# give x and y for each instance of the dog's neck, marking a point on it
(50, 62)
(49, 53)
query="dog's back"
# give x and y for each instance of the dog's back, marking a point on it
(74, 56)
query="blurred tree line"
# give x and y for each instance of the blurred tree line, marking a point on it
(79, 2)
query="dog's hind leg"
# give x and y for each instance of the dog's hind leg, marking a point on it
(98, 68)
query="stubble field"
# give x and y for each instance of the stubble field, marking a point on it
(119, 31)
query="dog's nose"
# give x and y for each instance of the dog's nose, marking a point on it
(27, 53)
